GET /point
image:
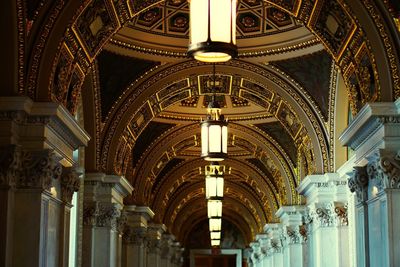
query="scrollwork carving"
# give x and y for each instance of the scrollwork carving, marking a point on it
(10, 165)
(358, 183)
(341, 214)
(40, 167)
(293, 235)
(69, 183)
(107, 216)
(135, 236)
(90, 212)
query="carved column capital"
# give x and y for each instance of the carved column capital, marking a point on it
(135, 236)
(329, 214)
(108, 215)
(358, 183)
(101, 215)
(10, 165)
(90, 212)
(40, 167)
(293, 235)
(153, 245)
(69, 183)
(384, 170)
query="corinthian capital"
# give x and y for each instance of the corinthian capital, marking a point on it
(39, 168)
(69, 183)
(10, 165)
(359, 182)
(387, 171)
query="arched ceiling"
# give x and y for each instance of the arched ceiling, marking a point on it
(152, 98)
(143, 97)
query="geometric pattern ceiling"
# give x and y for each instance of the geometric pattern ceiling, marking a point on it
(255, 18)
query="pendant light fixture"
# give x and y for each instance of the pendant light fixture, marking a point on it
(214, 208)
(214, 181)
(214, 224)
(215, 235)
(212, 30)
(214, 131)
(215, 242)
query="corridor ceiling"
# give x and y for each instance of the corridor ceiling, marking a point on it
(143, 99)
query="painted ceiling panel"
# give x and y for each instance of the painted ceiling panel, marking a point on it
(149, 134)
(116, 72)
(278, 132)
(313, 73)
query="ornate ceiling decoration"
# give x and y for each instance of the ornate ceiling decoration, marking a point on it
(269, 106)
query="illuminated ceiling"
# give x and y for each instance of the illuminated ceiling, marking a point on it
(143, 99)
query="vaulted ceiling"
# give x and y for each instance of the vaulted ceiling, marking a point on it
(143, 99)
(276, 106)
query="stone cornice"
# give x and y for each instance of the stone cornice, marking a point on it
(371, 128)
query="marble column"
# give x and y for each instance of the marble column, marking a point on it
(103, 202)
(177, 259)
(166, 250)
(154, 235)
(256, 255)
(69, 184)
(37, 140)
(265, 246)
(294, 235)
(136, 236)
(327, 219)
(274, 234)
(374, 135)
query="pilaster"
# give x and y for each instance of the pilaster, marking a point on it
(166, 249)
(327, 219)
(275, 252)
(154, 235)
(374, 135)
(135, 237)
(294, 235)
(103, 202)
(37, 139)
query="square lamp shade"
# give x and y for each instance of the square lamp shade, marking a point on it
(214, 182)
(212, 30)
(214, 208)
(215, 224)
(215, 235)
(215, 242)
